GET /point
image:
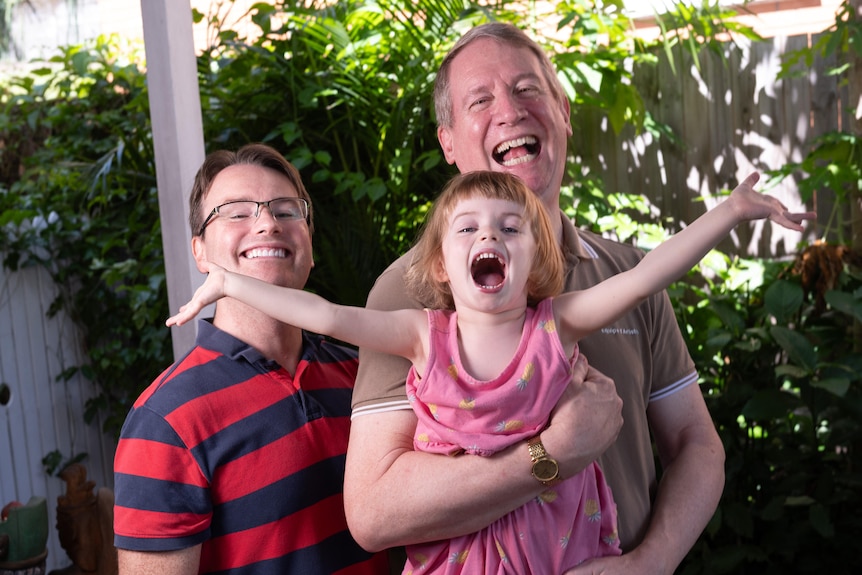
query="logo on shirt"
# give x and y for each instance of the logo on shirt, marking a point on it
(620, 331)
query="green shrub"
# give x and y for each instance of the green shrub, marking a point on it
(782, 375)
(78, 197)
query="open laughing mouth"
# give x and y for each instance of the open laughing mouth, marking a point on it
(517, 151)
(488, 271)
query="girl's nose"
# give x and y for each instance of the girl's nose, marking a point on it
(488, 234)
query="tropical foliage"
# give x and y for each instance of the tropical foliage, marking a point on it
(78, 197)
(781, 375)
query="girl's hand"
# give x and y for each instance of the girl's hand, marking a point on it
(752, 205)
(212, 290)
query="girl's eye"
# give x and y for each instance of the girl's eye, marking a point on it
(510, 230)
(467, 230)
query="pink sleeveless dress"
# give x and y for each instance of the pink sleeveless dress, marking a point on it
(568, 523)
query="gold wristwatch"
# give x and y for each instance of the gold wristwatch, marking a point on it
(545, 467)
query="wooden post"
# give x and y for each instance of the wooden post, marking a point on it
(855, 199)
(175, 112)
(856, 129)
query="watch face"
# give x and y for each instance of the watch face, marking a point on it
(545, 470)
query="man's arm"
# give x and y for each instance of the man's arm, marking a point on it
(181, 562)
(395, 496)
(692, 458)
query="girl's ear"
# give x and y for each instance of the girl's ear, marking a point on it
(439, 271)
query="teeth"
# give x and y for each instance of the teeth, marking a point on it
(480, 272)
(520, 160)
(265, 253)
(506, 146)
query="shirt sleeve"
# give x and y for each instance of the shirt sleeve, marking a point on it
(676, 369)
(160, 495)
(380, 383)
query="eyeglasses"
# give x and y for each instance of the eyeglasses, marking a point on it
(243, 211)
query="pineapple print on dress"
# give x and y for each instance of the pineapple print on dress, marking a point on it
(509, 426)
(548, 325)
(418, 561)
(592, 510)
(459, 557)
(525, 378)
(502, 553)
(467, 403)
(452, 369)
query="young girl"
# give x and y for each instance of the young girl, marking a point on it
(494, 352)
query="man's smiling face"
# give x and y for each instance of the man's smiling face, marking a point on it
(278, 252)
(505, 117)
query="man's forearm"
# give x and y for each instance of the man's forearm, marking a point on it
(687, 497)
(180, 562)
(397, 496)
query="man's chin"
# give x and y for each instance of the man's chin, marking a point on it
(533, 177)
(278, 275)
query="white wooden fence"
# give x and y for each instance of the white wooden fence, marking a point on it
(39, 414)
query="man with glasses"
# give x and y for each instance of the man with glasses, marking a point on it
(233, 459)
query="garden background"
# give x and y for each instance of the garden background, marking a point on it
(664, 124)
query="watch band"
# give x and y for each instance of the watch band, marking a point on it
(537, 450)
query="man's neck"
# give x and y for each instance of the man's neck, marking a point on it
(556, 218)
(275, 340)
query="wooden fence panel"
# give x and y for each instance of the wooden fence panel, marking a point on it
(830, 108)
(42, 414)
(730, 115)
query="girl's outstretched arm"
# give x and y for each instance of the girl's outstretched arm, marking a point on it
(580, 313)
(394, 332)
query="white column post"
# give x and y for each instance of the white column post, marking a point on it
(175, 112)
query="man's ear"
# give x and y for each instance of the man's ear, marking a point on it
(199, 252)
(566, 108)
(444, 136)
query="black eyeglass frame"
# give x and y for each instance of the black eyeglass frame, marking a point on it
(302, 202)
